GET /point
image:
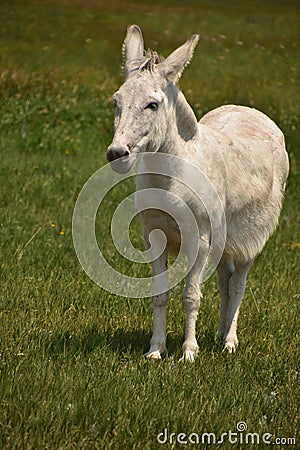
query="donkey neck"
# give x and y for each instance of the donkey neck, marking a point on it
(181, 136)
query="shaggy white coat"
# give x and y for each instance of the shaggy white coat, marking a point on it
(240, 150)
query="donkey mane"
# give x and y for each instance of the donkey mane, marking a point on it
(147, 63)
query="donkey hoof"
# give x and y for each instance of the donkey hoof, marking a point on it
(189, 356)
(153, 355)
(229, 347)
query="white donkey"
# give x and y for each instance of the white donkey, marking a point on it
(240, 150)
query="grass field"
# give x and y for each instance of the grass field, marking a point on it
(73, 374)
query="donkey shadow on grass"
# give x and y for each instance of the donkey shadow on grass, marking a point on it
(119, 342)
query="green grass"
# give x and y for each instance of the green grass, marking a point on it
(72, 371)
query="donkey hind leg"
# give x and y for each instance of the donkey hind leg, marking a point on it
(159, 303)
(225, 270)
(236, 289)
(191, 302)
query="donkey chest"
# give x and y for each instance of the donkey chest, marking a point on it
(168, 212)
(153, 219)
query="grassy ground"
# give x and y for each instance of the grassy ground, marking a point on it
(72, 371)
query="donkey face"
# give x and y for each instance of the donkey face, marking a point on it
(141, 107)
(145, 101)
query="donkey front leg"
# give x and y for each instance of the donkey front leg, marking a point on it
(159, 303)
(191, 302)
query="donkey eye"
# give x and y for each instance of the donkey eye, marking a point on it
(152, 105)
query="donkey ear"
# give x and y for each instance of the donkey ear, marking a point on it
(133, 48)
(173, 66)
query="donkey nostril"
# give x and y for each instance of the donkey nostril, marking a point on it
(110, 156)
(117, 152)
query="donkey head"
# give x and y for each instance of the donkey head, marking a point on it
(145, 102)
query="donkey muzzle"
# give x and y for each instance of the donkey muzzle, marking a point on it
(120, 158)
(114, 152)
